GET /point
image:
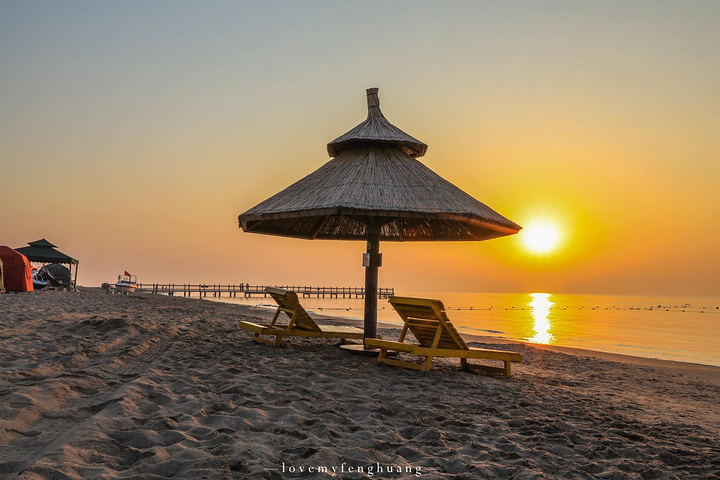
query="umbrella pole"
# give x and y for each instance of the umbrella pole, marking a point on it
(371, 281)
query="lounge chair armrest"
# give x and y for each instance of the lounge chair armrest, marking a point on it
(341, 329)
(390, 345)
(496, 354)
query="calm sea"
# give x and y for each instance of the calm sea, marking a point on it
(682, 329)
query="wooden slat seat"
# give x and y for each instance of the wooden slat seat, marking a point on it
(300, 323)
(427, 321)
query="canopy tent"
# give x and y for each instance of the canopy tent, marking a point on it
(42, 251)
(16, 271)
(375, 189)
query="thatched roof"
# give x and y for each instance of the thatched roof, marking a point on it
(375, 182)
(377, 130)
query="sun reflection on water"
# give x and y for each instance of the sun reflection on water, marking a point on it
(541, 305)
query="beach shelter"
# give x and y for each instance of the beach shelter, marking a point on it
(17, 272)
(42, 251)
(374, 188)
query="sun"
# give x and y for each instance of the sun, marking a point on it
(540, 236)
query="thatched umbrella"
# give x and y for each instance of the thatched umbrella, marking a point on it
(375, 189)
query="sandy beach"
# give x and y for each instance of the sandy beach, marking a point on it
(94, 385)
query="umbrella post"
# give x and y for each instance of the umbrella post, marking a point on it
(371, 281)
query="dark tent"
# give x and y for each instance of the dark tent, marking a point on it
(42, 251)
(59, 273)
(17, 272)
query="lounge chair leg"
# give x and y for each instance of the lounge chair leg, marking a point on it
(428, 364)
(278, 340)
(463, 364)
(382, 355)
(507, 369)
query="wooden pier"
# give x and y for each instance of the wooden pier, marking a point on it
(246, 290)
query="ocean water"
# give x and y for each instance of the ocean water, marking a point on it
(681, 329)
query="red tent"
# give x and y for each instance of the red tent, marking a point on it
(17, 272)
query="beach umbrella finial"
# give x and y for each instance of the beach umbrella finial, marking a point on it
(373, 101)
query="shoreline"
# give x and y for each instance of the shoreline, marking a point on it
(699, 370)
(94, 385)
(659, 351)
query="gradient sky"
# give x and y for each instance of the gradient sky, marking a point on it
(133, 133)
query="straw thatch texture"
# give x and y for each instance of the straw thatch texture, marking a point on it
(377, 130)
(375, 184)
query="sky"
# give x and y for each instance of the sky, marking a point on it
(132, 135)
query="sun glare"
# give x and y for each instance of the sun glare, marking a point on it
(541, 305)
(540, 236)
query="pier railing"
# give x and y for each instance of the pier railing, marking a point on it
(246, 290)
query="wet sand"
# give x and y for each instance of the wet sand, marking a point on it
(94, 385)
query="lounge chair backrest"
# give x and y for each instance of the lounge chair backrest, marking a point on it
(289, 303)
(423, 317)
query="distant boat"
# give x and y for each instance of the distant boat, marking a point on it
(126, 283)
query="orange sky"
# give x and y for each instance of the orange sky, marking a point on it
(133, 134)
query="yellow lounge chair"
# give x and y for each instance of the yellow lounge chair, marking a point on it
(427, 321)
(300, 324)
